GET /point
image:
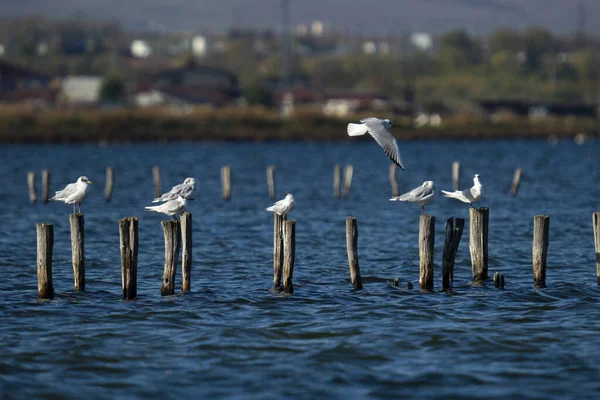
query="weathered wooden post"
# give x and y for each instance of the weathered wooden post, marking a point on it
(455, 175)
(352, 250)
(128, 233)
(596, 221)
(226, 181)
(271, 181)
(337, 179)
(289, 254)
(45, 185)
(77, 248)
(393, 180)
(110, 176)
(186, 251)
(451, 242)
(45, 243)
(348, 172)
(31, 186)
(516, 181)
(541, 234)
(277, 250)
(478, 242)
(156, 179)
(426, 242)
(499, 280)
(172, 242)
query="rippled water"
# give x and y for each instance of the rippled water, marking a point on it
(233, 337)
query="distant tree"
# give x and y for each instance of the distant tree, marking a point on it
(459, 50)
(506, 40)
(257, 94)
(539, 42)
(112, 89)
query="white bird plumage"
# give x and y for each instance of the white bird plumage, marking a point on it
(421, 195)
(74, 193)
(185, 190)
(171, 208)
(379, 130)
(284, 206)
(469, 196)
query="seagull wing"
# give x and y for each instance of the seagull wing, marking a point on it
(384, 138)
(176, 191)
(69, 190)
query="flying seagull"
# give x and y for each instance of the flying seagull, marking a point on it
(171, 207)
(421, 195)
(283, 207)
(468, 195)
(74, 193)
(185, 190)
(379, 129)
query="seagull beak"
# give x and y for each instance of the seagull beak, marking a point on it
(89, 182)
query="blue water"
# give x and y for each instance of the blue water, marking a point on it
(231, 337)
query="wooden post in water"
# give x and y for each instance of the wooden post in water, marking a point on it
(271, 181)
(478, 242)
(337, 179)
(156, 179)
(110, 176)
(426, 242)
(45, 243)
(499, 280)
(77, 248)
(393, 180)
(226, 181)
(455, 175)
(277, 250)
(45, 185)
(596, 222)
(31, 186)
(128, 233)
(348, 172)
(541, 234)
(289, 254)
(451, 242)
(186, 251)
(352, 250)
(516, 181)
(172, 242)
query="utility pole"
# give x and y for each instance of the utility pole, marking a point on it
(285, 22)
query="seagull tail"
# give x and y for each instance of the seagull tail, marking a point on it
(269, 208)
(153, 208)
(398, 198)
(157, 200)
(451, 194)
(356, 129)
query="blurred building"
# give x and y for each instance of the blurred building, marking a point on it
(19, 84)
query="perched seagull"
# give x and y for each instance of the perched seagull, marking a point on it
(468, 195)
(283, 207)
(74, 193)
(171, 207)
(185, 190)
(421, 195)
(379, 129)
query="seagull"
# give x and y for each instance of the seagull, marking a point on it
(185, 190)
(74, 193)
(283, 207)
(421, 195)
(171, 207)
(379, 129)
(468, 195)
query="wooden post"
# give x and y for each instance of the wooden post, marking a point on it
(271, 181)
(45, 185)
(393, 180)
(499, 280)
(109, 184)
(337, 179)
(455, 175)
(426, 242)
(289, 254)
(541, 234)
(352, 250)
(31, 185)
(156, 179)
(596, 221)
(77, 248)
(128, 232)
(478, 242)
(45, 243)
(516, 181)
(277, 250)
(451, 242)
(226, 181)
(186, 251)
(172, 242)
(348, 172)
